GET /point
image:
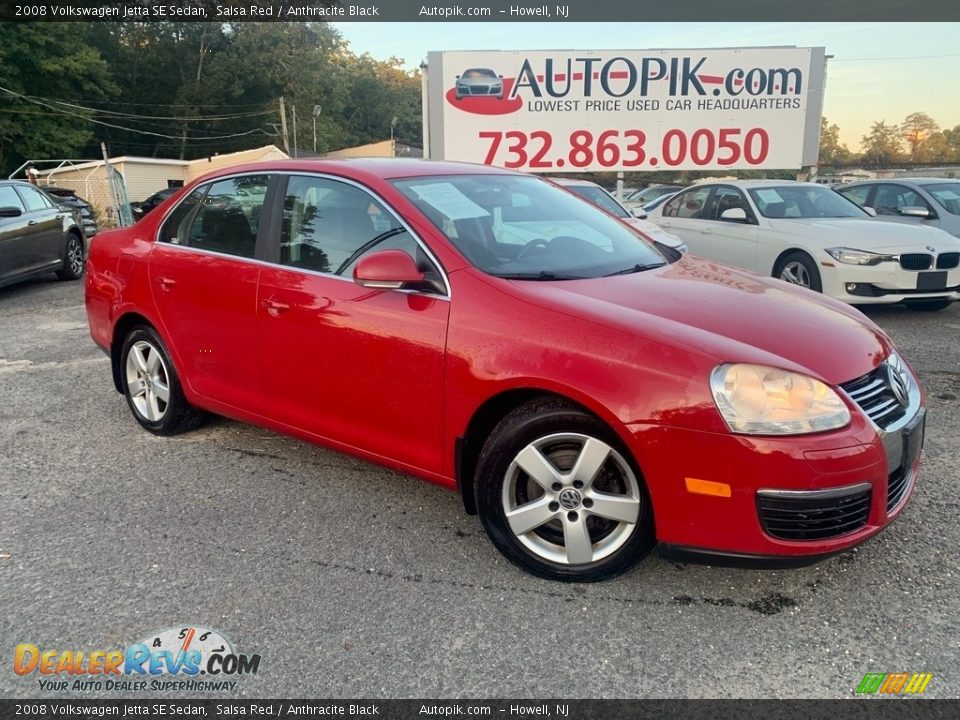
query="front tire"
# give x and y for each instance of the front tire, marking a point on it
(559, 497)
(928, 305)
(152, 387)
(798, 268)
(73, 259)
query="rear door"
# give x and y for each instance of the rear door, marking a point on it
(204, 270)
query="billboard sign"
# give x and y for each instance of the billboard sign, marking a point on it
(631, 110)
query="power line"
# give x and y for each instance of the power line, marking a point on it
(134, 116)
(121, 127)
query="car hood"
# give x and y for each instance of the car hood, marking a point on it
(656, 232)
(729, 315)
(868, 234)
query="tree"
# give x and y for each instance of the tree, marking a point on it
(831, 150)
(918, 129)
(882, 144)
(47, 61)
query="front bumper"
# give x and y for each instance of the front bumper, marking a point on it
(861, 457)
(885, 283)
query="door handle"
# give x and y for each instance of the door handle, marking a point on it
(166, 283)
(274, 307)
(31, 223)
(706, 231)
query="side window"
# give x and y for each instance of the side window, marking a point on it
(691, 204)
(33, 199)
(9, 198)
(856, 194)
(329, 225)
(228, 216)
(727, 198)
(890, 198)
(177, 225)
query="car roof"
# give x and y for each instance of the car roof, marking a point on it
(571, 182)
(16, 182)
(366, 169)
(748, 184)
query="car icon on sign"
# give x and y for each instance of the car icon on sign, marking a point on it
(482, 82)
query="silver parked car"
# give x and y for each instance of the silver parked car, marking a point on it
(479, 82)
(928, 201)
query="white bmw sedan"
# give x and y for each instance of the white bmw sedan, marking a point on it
(809, 235)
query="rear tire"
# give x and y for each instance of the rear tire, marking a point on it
(558, 495)
(152, 387)
(73, 258)
(928, 305)
(798, 268)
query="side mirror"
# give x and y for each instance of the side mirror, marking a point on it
(869, 211)
(639, 213)
(915, 211)
(457, 78)
(386, 270)
(10, 211)
(734, 215)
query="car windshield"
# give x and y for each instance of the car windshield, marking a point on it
(526, 228)
(599, 197)
(947, 194)
(803, 201)
(651, 193)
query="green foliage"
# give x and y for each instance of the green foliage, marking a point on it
(52, 60)
(186, 90)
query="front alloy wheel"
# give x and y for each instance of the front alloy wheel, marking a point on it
(559, 498)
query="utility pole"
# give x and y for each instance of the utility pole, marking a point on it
(283, 125)
(316, 111)
(295, 153)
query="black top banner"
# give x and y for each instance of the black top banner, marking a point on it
(477, 11)
(425, 709)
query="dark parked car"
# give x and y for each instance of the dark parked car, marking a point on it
(69, 199)
(37, 235)
(927, 201)
(142, 208)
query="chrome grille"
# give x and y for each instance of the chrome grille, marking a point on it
(872, 392)
(916, 261)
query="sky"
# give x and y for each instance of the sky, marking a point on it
(880, 71)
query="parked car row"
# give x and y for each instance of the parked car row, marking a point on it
(587, 394)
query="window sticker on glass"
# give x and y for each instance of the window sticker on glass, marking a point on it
(769, 196)
(449, 200)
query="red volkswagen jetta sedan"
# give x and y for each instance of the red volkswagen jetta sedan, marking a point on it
(587, 393)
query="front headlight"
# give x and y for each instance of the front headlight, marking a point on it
(850, 256)
(760, 400)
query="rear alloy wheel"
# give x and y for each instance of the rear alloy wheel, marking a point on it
(928, 305)
(72, 259)
(151, 385)
(798, 268)
(558, 498)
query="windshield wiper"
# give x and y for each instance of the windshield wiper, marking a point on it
(635, 269)
(542, 275)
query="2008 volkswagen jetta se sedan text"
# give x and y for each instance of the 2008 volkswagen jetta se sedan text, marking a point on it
(587, 393)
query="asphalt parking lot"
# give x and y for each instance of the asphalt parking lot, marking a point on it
(353, 581)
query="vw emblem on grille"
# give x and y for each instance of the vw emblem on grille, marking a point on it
(897, 381)
(570, 499)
